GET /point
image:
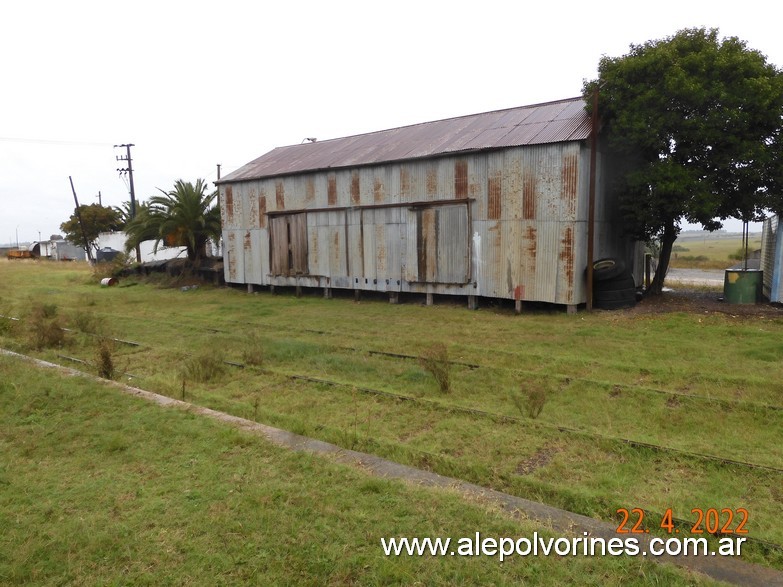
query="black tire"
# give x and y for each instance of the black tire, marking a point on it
(624, 281)
(608, 268)
(616, 296)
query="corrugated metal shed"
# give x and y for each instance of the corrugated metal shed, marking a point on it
(490, 205)
(564, 120)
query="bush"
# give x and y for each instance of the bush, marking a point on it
(435, 360)
(44, 327)
(88, 322)
(114, 268)
(204, 367)
(253, 352)
(531, 398)
(104, 360)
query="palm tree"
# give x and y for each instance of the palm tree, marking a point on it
(186, 217)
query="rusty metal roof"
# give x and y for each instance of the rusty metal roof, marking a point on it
(551, 122)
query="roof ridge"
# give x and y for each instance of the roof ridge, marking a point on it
(372, 132)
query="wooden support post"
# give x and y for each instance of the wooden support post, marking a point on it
(429, 298)
(517, 306)
(272, 289)
(328, 293)
(394, 297)
(249, 288)
(472, 302)
(298, 290)
(357, 295)
(571, 309)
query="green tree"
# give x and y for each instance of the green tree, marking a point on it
(693, 133)
(95, 219)
(186, 217)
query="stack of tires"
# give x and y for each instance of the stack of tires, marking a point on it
(613, 286)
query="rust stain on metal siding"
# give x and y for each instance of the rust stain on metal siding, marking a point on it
(355, 188)
(569, 182)
(280, 195)
(380, 250)
(405, 182)
(310, 190)
(432, 180)
(529, 196)
(567, 255)
(461, 179)
(262, 211)
(378, 191)
(427, 244)
(231, 251)
(494, 196)
(331, 189)
(247, 243)
(229, 205)
(532, 246)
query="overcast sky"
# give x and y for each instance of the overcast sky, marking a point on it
(194, 84)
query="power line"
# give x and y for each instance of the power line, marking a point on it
(53, 142)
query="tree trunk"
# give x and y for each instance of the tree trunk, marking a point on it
(667, 243)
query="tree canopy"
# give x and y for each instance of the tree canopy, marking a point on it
(94, 219)
(186, 216)
(693, 133)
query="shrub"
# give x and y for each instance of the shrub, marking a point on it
(44, 327)
(204, 367)
(88, 322)
(531, 398)
(114, 268)
(104, 360)
(435, 360)
(253, 352)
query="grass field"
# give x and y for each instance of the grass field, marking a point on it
(717, 250)
(665, 411)
(99, 488)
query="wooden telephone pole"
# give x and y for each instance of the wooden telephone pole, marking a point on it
(129, 170)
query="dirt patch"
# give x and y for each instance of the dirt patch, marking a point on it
(541, 458)
(702, 302)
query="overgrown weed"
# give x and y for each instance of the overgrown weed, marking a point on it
(44, 327)
(531, 398)
(253, 350)
(203, 367)
(435, 360)
(105, 358)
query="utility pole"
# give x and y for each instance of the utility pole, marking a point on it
(100, 203)
(81, 224)
(129, 171)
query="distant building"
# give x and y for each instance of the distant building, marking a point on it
(62, 250)
(115, 241)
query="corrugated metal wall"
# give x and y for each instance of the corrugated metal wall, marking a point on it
(771, 259)
(509, 223)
